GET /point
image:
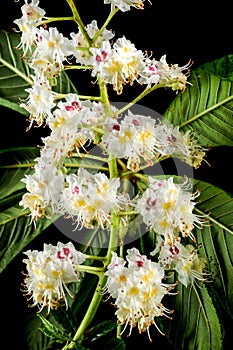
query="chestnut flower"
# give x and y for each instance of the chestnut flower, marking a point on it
(89, 199)
(32, 15)
(48, 273)
(138, 290)
(125, 5)
(167, 208)
(141, 139)
(184, 259)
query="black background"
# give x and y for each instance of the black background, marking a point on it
(197, 30)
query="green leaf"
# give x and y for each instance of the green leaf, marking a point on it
(14, 106)
(83, 298)
(197, 310)
(206, 106)
(14, 164)
(195, 325)
(114, 344)
(53, 332)
(108, 344)
(223, 67)
(103, 336)
(16, 232)
(101, 329)
(216, 241)
(36, 339)
(15, 74)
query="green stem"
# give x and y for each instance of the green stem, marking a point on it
(77, 19)
(91, 269)
(139, 97)
(104, 96)
(97, 296)
(55, 19)
(131, 212)
(113, 243)
(86, 166)
(77, 67)
(110, 16)
(95, 257)
(58, 96)
(112, 163)
(93, 307)
(91, 156)
(85, 97)
(16, 166)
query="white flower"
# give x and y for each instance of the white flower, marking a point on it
(28, 35)
(138, 290)
(119, 66)
(81, 52)
(89, 199)
(124, 5)
(39, 102)
(53, 46)
(134, 139)
(48, 273)
(172, 142)
(32, 14)
(160, 72)
(35, 203)
(44, 188)
(167, 208)
(184, 259)
(44, 69)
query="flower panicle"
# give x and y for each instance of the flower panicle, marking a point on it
(137, 285)
(49, 272)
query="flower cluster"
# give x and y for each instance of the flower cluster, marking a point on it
(86, 198)
(125, 5)
(137, 138)
(138, 290)
(183, 259)
(167, 208)
(48, 273)
(116, 63)
(89, 199)
(140, 138)
(32, 14)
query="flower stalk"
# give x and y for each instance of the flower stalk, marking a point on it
(77, 19)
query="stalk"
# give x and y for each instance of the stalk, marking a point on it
(113, 243)
(110, 16)
(97, 296)
(77, 19)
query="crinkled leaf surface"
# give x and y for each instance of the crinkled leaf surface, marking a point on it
(206, 106)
